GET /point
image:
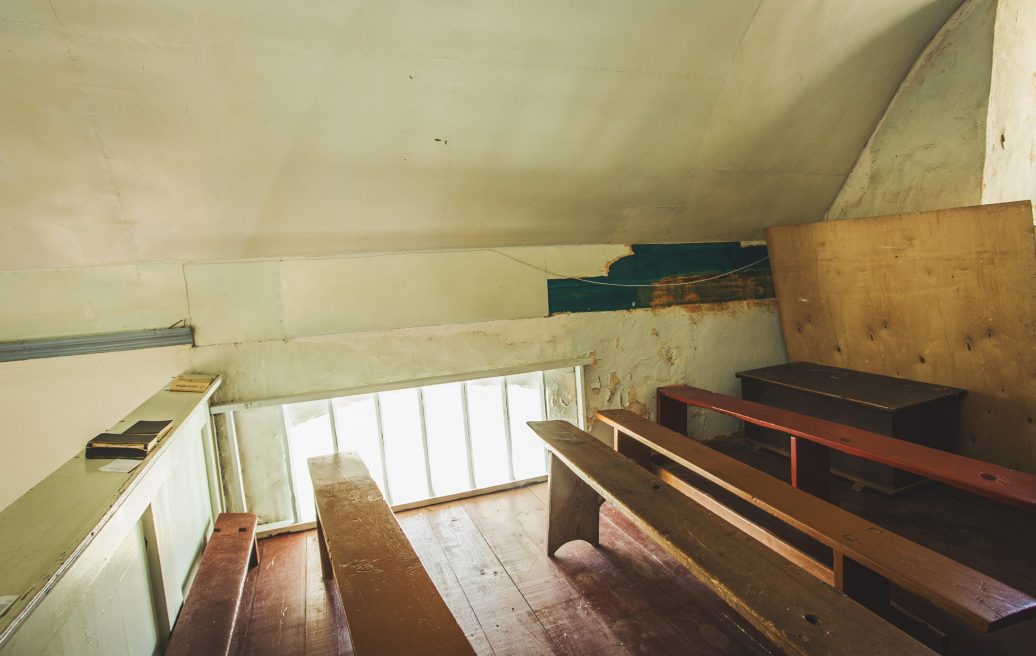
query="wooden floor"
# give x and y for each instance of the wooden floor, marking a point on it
(487, 557)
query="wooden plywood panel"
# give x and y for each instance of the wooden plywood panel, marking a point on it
(946, 297)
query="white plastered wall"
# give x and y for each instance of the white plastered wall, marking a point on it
(1010, 166)
(927, 151)
(961, 129)
(283, 327)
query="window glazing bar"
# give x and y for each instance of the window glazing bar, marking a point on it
(543, 415)
(467, 434)
(334, 426)
(291, 468)
(424, 443)
(507, 429)
(381, 449)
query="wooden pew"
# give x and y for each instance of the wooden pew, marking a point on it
(206, 622)
(390, 602)
(866, 557)
(811, 439)
(799, 613)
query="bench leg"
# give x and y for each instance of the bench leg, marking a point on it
(862, 585)
(325, 560)
(671, 413)
(633, 449)
(253, 559)
(573, 508)
(811, 467)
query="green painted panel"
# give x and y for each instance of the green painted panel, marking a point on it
(651, 272)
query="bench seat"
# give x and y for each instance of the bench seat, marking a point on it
(810, 434)
(206, 622)
(390, 603)
(982, 602)
(799, 613)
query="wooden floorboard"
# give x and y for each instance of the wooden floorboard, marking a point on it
(426, 545)
(487, 558)
(324, 613)
(244, 617)
(509, 622)
(278, 614)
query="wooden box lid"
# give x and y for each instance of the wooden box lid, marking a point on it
(882, 392)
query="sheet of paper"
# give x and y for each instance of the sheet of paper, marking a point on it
(190, 383)
(121, 465)
(6, 601)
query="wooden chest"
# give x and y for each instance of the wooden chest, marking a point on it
(909, 410)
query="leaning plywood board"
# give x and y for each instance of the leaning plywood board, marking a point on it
(943, 297)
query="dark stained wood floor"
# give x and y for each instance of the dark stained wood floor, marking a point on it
(487, 557)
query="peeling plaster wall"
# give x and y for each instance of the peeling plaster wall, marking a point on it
(927, 151)
(277, 328)
(632, 352)
(961, 130)
(1010, 167)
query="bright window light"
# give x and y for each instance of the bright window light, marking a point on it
(309, 434)
(425, 442)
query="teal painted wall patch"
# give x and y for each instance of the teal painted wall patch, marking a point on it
(656, 274)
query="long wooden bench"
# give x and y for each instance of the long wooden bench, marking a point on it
(206, 622)
(866, 556)
(390, 603)
(799, 613)
(812, 439)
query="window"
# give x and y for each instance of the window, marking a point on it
(428, 442)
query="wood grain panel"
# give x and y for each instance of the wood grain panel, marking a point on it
(943, 297)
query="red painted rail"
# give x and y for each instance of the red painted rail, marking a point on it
(989, 480)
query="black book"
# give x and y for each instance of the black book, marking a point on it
(136, 442)
(149, 427)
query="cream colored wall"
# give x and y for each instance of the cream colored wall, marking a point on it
(51, 407)
(928, 150)
(631, 354)
(961, 130)
(171, 130)
(1010, 166)
(299, 325)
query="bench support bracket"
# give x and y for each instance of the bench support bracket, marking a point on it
(326, 571)
(573, 508)
(633, 449)
(811, 467)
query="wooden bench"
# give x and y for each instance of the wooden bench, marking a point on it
(206, 622)
(866, 557)
(796, 611)
(813, 438)
(390, 603)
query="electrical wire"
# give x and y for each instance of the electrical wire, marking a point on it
(620, 284)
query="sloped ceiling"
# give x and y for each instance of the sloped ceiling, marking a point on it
(143, 130)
